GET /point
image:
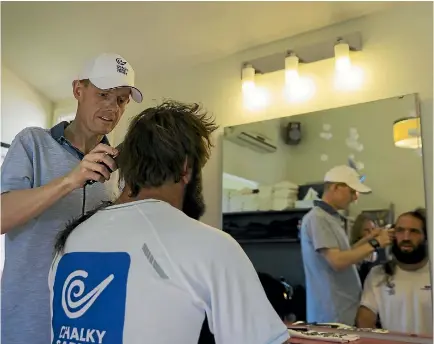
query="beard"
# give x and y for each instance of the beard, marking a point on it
(194, 203)
(418, 254)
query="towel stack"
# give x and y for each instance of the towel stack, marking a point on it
(279, 196)
(284, 196)
(239, 200)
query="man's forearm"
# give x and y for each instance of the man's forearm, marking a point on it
(355, 255)
(366, 318)
(362, 241)
(341, 260)
(20, 206)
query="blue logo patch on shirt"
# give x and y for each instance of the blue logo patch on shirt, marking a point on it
(89, 298)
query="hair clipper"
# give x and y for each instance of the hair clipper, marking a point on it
(118, 147)
(388, 249)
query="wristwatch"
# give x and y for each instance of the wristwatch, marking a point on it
(375, 244)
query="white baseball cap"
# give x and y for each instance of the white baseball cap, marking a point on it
(108, 71)
(347, 175)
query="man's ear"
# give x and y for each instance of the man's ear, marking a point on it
(77, 89)
(186, 172)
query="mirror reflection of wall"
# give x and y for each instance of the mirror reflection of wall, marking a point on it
(362, 133)
(273, 171)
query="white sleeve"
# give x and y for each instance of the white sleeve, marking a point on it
(239, 308)
(368, 296)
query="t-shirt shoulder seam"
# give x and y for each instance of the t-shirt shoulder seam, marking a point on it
(35, 129)
(375, 275)
(376, 269)
(27, 133)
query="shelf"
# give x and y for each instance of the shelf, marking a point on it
(269, 212)
(268, 241)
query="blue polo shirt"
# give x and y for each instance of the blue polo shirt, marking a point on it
(36, 157)
(332, 296)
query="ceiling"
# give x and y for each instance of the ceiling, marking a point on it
(45, 43)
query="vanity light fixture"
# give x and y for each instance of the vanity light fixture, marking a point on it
(406, 133)
(342, 56)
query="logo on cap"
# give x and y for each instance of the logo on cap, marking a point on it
(120, 67)
(121, 62)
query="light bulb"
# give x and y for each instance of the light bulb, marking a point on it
(248, 78)
(254, 98)
(342, 57)
(291, 68)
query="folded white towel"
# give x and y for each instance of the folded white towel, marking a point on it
(236, 203)
(265, 190)
(245, 191)
(286, 193)
(282, 204)
(250, 202)
(285, 185)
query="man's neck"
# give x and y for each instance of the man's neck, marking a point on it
(165, 193)
(81, 138)
(413, 267)
(327, 200)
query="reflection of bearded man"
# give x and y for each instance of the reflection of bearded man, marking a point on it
(410, 243)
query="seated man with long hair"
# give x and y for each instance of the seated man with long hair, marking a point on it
(142, 269)
(399, 291)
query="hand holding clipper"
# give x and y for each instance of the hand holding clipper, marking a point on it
(110, 167)
(97, 165)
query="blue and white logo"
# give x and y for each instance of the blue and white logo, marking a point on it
(89, 298)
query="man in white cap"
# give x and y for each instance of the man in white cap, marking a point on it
(333, 287)
(44, 186)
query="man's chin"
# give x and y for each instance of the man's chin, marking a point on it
(104, 128)
(406, 249)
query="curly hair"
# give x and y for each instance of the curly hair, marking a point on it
(159, 141)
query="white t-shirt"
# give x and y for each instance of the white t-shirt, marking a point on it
(405, 308)
(144, 272)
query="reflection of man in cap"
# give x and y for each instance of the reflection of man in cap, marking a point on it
(43, 187)
(333, 286)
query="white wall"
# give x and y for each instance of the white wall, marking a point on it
(64, 108)
(21, 106)
(397, 59)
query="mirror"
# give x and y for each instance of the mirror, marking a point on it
(274, 170)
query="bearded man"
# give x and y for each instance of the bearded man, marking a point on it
(143, 269)
(399, 292)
